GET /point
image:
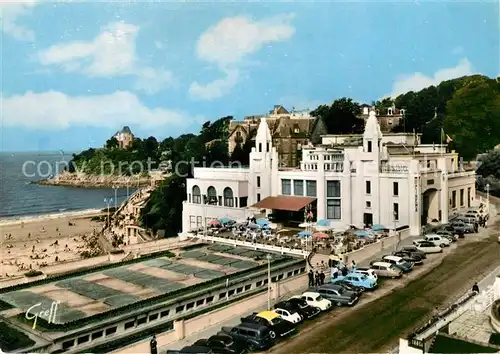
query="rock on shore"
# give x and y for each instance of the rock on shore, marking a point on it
(83, 180)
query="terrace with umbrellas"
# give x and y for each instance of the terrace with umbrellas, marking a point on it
(319, 235)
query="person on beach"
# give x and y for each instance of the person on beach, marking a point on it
(475, 288)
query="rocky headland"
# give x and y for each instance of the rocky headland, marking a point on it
(83, 180)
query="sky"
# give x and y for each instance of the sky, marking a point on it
(75, 73)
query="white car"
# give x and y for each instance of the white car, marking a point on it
(314, 299)
(288, 315)
(437, 240)
(427, 247)
(397, 261)
(370, 273)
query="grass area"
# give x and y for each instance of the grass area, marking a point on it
(445, 344)
(11, 339)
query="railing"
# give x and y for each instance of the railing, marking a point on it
(394, 168)
(256, 246)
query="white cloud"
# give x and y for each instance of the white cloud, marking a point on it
(112, 53)
(54, 110)
(419, 81)
(230, 42)
(10, 13)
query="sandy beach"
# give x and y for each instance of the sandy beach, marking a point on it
(33, 243)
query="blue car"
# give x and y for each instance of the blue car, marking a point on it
(357, 279)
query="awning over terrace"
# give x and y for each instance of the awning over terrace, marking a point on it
(282, 202)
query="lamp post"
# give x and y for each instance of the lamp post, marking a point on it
(488, 197)
(116, 196)
(108, 201)
(269, 281)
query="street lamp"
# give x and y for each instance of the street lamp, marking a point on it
(269, 281)
(488, 197)
(108, 201)
(116, 191)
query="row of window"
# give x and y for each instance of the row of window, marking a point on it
(453, 200)
(143, 319)
(298, 187)
(212, 198)
(395, 188)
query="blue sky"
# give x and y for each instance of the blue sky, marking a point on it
(75, 73)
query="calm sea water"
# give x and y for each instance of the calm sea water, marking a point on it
(18, 197)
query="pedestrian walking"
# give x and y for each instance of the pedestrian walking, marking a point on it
(485, 224)
(475, 288)
(322, 278)
(335, 272)
(317, 280)
(353, 266)
(311, 278)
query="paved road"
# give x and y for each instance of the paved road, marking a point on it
(377, 325)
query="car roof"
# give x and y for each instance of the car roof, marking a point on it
(393, 258)
(382, 264)
(251, 325)
(330, 286)
(195, 349)
(310, 293)
(268, 315)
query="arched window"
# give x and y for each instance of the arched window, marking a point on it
(228, 197)
(196, 195)
(212, 195)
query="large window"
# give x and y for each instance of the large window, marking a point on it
(333, 189)
(454, 199)
(333, 204)
(286, 186)
(196, 195)
(333, 209)
(298, 187)
(461, 197)
(212, 196)
(228, 197)
(396, 211)
(311, 188)
(395, 188)
(368, 187)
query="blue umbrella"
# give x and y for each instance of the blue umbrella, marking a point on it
(378, 227)
(262, 222)
(361, 234)
(305, 234)
(225, 220)
(322, 222)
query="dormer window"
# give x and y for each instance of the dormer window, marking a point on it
(389, 111)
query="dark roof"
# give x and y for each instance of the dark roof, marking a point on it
(126, 130)
(283, 202)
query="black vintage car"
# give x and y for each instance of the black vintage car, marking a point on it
(278, 327)
(409, 257)
(358, 290)
(308, 311)
(256, 336)
(223, 344)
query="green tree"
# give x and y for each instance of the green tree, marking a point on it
(112, 143)
(473, 117)
(341, 117)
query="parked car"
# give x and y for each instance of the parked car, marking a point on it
(368, 272)
(278, 327)
(460, 225)
(386, 270)
(427, 247)
(305, 310)
(256, 336)
(315, 299)
(399, 262)
(357, 279)
(223, 344)
(337, 294)
(192, 349)
(473, 217)
(451, 236)
(356, 289)
(436, 240)
(409, 257)
(414, 251)
(451, 229)
(289, 312)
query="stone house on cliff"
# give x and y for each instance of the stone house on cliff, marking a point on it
(124, 137)
(388, 118)
(290, 131)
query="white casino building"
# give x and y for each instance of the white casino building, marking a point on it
(367, 179)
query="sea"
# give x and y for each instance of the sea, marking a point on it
(19, 197)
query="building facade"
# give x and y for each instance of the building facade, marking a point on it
(289, 130)
(373, 178)
(388, 118)
(124, 137)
